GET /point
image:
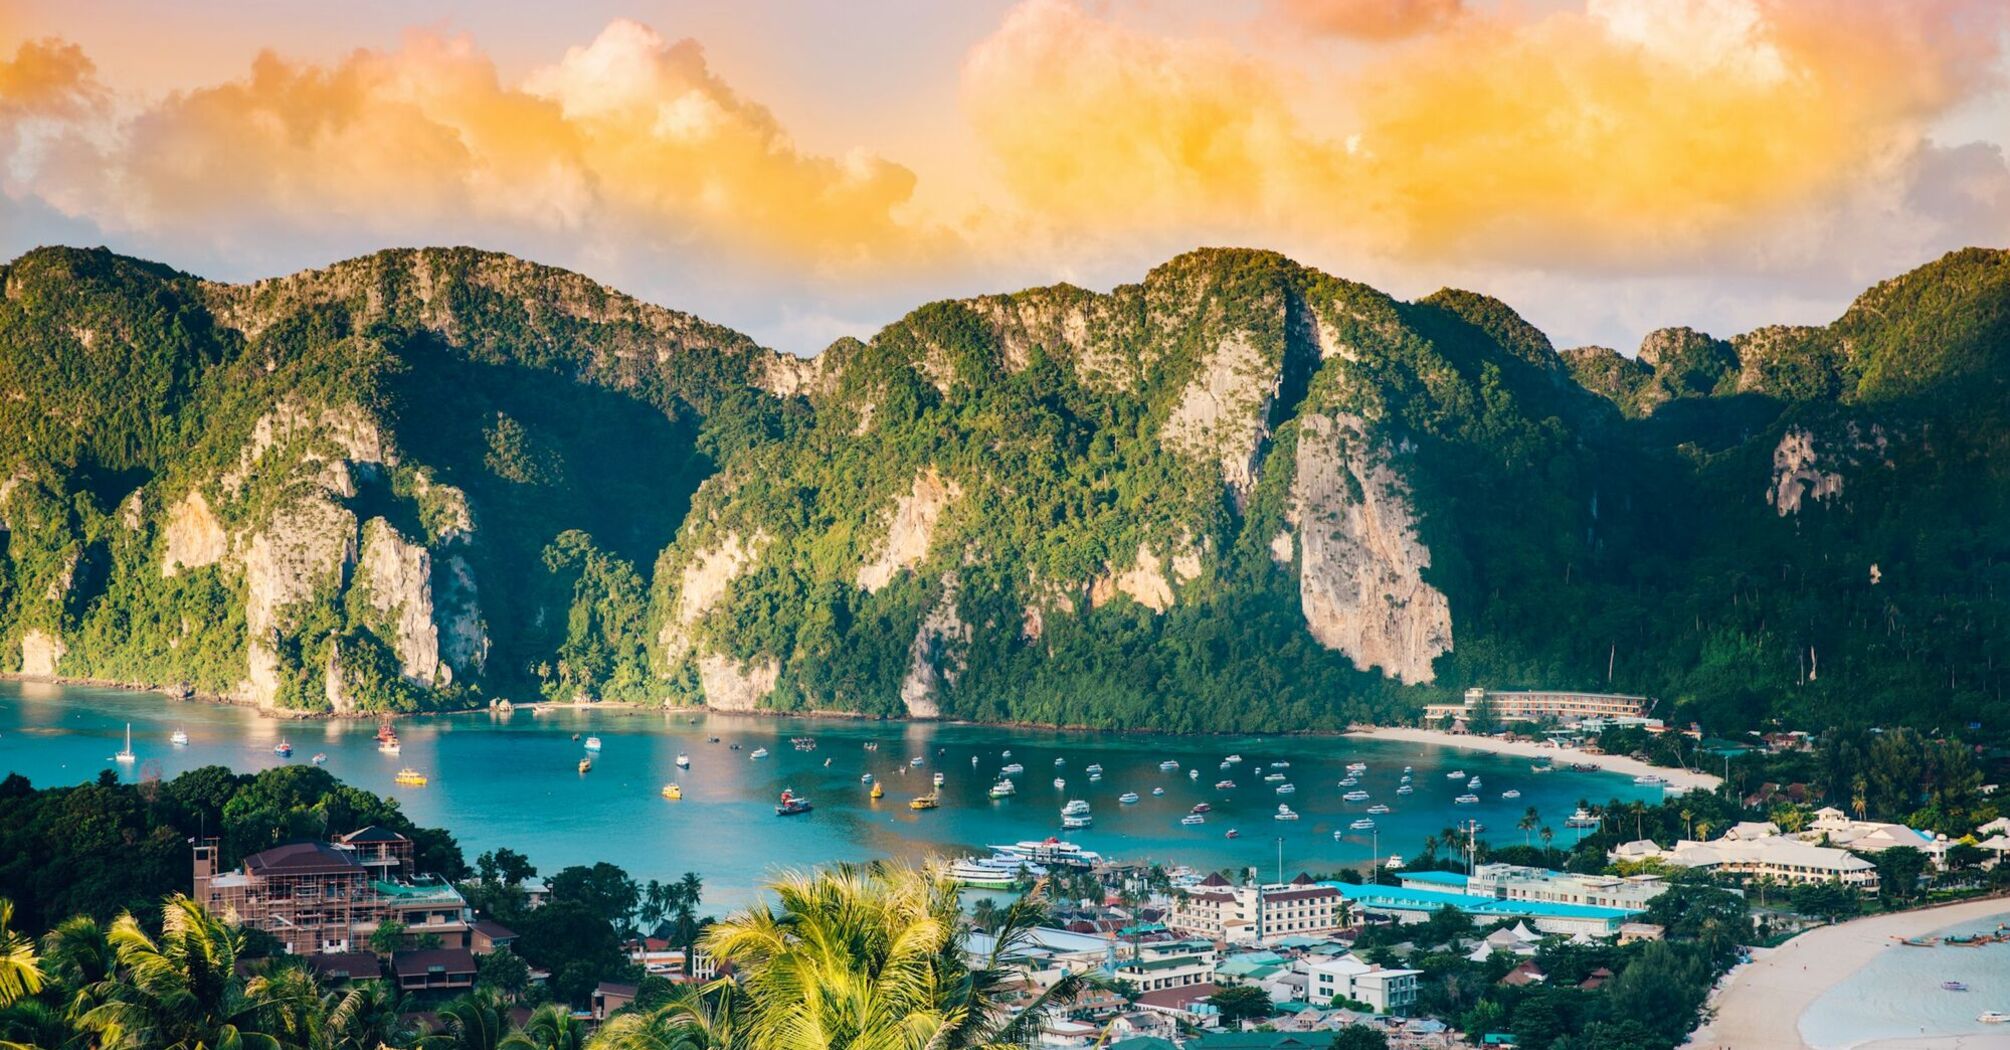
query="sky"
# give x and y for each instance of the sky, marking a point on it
(809, 170)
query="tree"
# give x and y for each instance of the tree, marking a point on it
(367, 1015)
(503, 972)
(504, 866)
(1898, 871)
(388, 937)
(20, 971)
(550, 1027)
(1242, 1002)
(603, 889)
(1359, 1037)
(475, 1021)
(184, 990)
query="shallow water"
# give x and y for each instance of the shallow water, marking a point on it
(1898, 995)
(513, 781)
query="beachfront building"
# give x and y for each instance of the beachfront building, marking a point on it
(1257, 914)
(1517, 883)
(1422, 893)
(1833, 827)
(1781, 858)
(1538, 705)
(1349, 976)
(330, 896)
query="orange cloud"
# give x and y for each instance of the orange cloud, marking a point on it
(630, 139)
(1370, 19)
(1632, 130)
(48, 78)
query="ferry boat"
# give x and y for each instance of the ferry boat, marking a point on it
(1192, 818)
(1511, 793)
(1378, 808)
(1283, 813)
(928, 801)
(1200, 807)
(759, 752)
(127, 756)
(1581, 819)
(1059, 784)
(593, 743)
(1003, 789)
(1355, 796)
(179, 737)
(1077, 822)
(1287, 789)
(1168, 766)
(1012, 769)
(1157, 791)
(1364, 824)
(1224, 785)
(878, 791)
(1050, 852)
(586, 765)
(410, 777)
(683, 760)
(990, 873)
(673, 792)
(282, 749)
(1128, 798)
(1466, 800)
(320, 758)
(1649, 779)
(791, 804)
(1404, 789)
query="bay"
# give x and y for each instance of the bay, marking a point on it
(512, 780)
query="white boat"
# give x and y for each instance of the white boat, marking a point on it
(1473, 783)
(1404, 789)
(1466, 800)
(1158, 791)
(1273, 778)
(1193, 774)
(1168, 766)
(179, 737)
(938, 780)
(1357, 767)
(1407, 770)
(1007, 753)
(683, 760)
(1355, 796)
(1012, 769)
(1378, 808)
(1079, 820)
(1052, 853)
(1059, 783)
(1233, 758)
(1456, 774)
(1095, 778)
(1094, 768)
(1581, 819)
(1003, 788)
(1280, 765)
(759, 752)
(1364, 824)
(991, 873)
(1192, 818)
(915, 761)
(1511, 793)
(1059, 762)
(1128, 798)
(1993, 1017)
(1347, 782)
(1395, 861)
(1649, 779)
(593, 743)
(127, 755)
(865, 778)
(1287, 789)
(1224, 785)
(1074, 806)
(973, 760)
(1283, 813)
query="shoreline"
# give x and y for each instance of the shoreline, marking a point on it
(1761, 1002)
(1679, 779)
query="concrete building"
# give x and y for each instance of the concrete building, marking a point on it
(1166, 971)
(320, 897)
(1781, 858)
(1258, 914)
(1517, 883)
(1536, 705)
(1418, 898)
(1387, 990)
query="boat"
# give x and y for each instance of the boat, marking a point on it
(1466, 800)
(320, 758)
(1347, 782)
(1078, 821)
(791, 804)
(1395, 861)
(585, 765)
(1283, 813)
(127, 754)
(1649, 779)
(1456, 774)
(593, 743)
(916, 761)
(1993, 1017)
(973, 760)
(1511, 793)
(991, 873)
(711, 739)
(1192, 818)
(1012, 769)
(1233, 758)
(759, 752)
(1168, 766)
(1059, 762)
(1580, 819)
(683, 760)
(179, 737)
(1364, 824)
(673, 792)
(1357, 767)
(865, 778)
(1541, 767)
(1200, 807)
(1095, 778)
(878, 791)
(1953, 986)
(1232, 834)
(1074, 807)
(1224, 785)
(1473, 783)
(1003, 789)
(1224, 767)
(1050, 852)
(1407, 770)
(928, 801)
(1272, 778)
(1059, 784)
(1094, 768)
(1287, 789)
(1193, 774)
(1158, 791)
(1355, 796)
(282, 749)
(1378, 808)
(1128, 798)
(389, 745)
(938, 780)
(410, 777)
(1404, 789)
(1007, 753)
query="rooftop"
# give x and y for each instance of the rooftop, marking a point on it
(301, 858)
(1406, 898)
(448, 960)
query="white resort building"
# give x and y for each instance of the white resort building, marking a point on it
(1512, 882)
(1251, 914)
(1535, 705)
(1759, 850)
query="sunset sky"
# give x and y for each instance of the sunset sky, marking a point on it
(805, 170)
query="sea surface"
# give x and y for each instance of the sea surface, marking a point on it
(512, 780)
(1898, 995)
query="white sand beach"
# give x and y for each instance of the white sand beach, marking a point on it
(1760, 1004)
(1678, 778)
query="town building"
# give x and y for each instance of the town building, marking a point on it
(445, 970)
(1349, 976)
(1515, 882)
(1753, 854)
(1539, 705)
(1423, 893)
(1257, 914)
(1156, 972)
(318, 897)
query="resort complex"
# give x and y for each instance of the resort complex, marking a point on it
(1540, 705)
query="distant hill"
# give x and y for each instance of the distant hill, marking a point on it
(1240, 494)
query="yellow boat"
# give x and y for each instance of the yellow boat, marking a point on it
(878, 791)
(928, 801)
(585, 764)
(672, 792)
(410, 778)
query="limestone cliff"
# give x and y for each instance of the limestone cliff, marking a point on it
(911, 530)
(934, 660)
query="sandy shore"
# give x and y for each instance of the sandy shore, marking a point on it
(1760, 1004)
(1678, 778)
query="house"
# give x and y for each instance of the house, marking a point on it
(1640, 931)
(1351, 977)
(1524, 975)
(1188, 1005)
(1536, 705)
(610, 996)
(1781, 858)
(437, 970)
(334, 967)
(1595, 980)
(1412, 903)
(1521, 883)
(487, 935)
(1150, 974)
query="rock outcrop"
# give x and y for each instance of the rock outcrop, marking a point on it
(732, 686)
(194, 537)
(911, 531)
(41, 653)
(1223, 413)
(1796, 477)
(934, 659)
(1360, 562)
(306, 546)
(395, 578)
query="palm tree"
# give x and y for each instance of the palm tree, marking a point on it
(1689, 822)
(20, 969)
(1528, 823)
(1545, 834)
(551, 1027)
(478, 1020)
(368, 1015)
(78, 954)
(183, 992)
(698, 1017)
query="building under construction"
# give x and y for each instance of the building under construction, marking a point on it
(318, 897)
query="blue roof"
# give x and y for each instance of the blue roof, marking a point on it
(1403, 898)
(1442, 878)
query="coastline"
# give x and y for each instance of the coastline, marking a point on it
(1761, 1002)
(1680, 779)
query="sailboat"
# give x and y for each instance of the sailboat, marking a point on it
(126, 755)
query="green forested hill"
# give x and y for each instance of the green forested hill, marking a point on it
(1238, 494)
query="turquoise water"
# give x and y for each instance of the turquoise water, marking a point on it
(513, 781)
(1898, 995)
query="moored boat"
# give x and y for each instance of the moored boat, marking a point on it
(179, 737)
(1224, 785)
(1466, 800)
(1192, 818)
(410, 777)
(1355, 796)
(673, 792)
(283, 749)
(1993, 1017)
(1059, 784)
(1378, 808)
(1077, 822)
(1364, 824)
(1158, 791)
(320, 758)
(1510, 794)
(759, 752)
(791, 804)
(1003, 789)
(878, 791)
(928, 801)
(938, 780)
(1128, 798)
(593, 743)
(586, 765)
(1283, 813)
(126, 756)
(1405, 789)
(683, 760)
(1287, 789)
